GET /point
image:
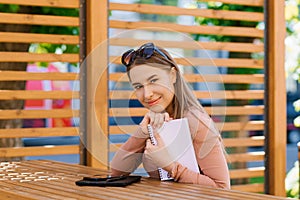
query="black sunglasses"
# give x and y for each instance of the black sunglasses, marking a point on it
(145, 51)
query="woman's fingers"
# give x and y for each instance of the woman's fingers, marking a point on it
(157, 119)
(167, 117)
(148, 143)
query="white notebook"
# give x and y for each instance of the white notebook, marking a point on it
(177, 138)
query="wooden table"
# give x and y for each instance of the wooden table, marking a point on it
(44, 179)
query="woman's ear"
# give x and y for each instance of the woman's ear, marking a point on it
(173, 75)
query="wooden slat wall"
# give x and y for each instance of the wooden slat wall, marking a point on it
(236, 133)
(240, 125)
(28, 37)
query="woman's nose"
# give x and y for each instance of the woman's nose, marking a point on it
(148, 92)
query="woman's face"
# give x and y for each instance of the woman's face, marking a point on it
(153, 86)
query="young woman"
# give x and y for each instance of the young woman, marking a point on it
(161, 88)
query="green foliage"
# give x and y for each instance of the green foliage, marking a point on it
(44, 47)
(52, 48)
(257, 180)
(222, 22)
(9, 8)
(234, 23)
(159, 18)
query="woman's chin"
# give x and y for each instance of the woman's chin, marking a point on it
(157, 108)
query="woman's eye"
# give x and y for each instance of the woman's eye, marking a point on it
(138, 87)
(153, 80)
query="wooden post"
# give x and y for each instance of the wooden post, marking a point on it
(275, 98)
(96, 64)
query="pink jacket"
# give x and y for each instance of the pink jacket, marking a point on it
(208, 147)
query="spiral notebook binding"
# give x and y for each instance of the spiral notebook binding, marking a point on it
(163, 174)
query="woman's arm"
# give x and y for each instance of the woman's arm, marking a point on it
(129, 156)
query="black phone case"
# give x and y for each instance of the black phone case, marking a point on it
(117, 183)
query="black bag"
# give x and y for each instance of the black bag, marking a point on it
(117, 181)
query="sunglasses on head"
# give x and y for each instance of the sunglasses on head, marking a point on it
(145, 51)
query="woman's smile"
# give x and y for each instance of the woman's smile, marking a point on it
(153, 102)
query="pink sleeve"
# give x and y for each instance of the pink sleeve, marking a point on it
(210, 156)
(129, 156)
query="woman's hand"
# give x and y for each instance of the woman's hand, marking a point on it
(159, 154)
(156, 120)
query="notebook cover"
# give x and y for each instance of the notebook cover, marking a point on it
(178, 140)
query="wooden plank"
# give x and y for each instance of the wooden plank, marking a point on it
(47, 3)
(234, 194)
(38, 132)
(38, 151)
(218, 78)
(55, 190)
(211, 30)
(205, 192)
(31, 191)
(32, 94)
(192, 45)
(216, 110)
(227, 62)
(35, 57)
(246, 157)
(6, 193)
(255, 187)
(234, 94)
(46, 20)
(241, 2)
(96, 109)
(60, 167)
(164, 192)
(244, 142)
(226, 78)
(227, 126)
(177, 11)
(38, 114)
(24, 76)
(247, 173)
(241, 126)
(276, 98)
(15, 37)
